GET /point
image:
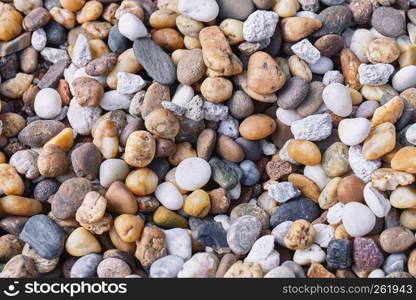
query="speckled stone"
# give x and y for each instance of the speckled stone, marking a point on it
(338, 254)
(366, 254)
(212, 234)
(243, 233)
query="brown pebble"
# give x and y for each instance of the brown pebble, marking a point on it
(151, 246)
(88, 91)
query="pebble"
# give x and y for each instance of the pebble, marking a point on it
(305, 257)
(376, 74)
(313, 128)
(128, 83)
(295, 209)
(339, 254)
(242, 243)
(357, 219)
(293, 93)
(86, 266)
(190, 166)
(354, 131)
(200, 10)
(376, 201)
(367, 255)
(361, 167)
(201, 265)
(116, 41)
(178, 243)
(251, 173)
(155, 61)
(112, 170)
(404, 78)
(39, 39)
(283, 191)
(396, 239)
(235, 10)
(169, 195)
(82, 118)
(43, 235)
(280, 272)
(263, 253)
(335, 19)
(337, 98)
(335, 160)
(48, 103)
(388, 21)
(306, 51)
(166, 267)
(131, 27)
(260, 25)
(395, 263)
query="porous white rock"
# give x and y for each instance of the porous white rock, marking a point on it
(333, 76)
(81, 54)
(361, 167)
(306, 51)
(334, 215)
(53, 55)
(260, 25)
(312, 128)
(375, 74)
(128, 83)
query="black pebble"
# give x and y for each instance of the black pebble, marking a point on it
(56, 34)
(338, 254)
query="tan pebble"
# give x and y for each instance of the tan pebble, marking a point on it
(53, 161)
(155, 94)
(380, 141)
(64, 17)
(408, 218)
(12, 124)
(10, 246)
(217, 89)
(120, 199)
(350, 189)
(15, 87)
(383, 50)
(233, 30)
(43, 265)
(396, 239)
(411, 263)
(162, 123)
(242, 82)
(142, 181)
(10, 22)
(92, 208)
(88, 91)
(168, 38)
(389, 112)
(168, 219)
(151, 246)
(304, 152)
(407, 55)
(296, 28)
(299, 68)
(341, 233)
(197, 204)
(100, 226)
(20, 206)
(132, 7)
(301, 235)
(389, 179)
(191, 67)
(119, 243)
(356, 97)
(72, 5)
(63, 90)
(98, 48)
(64, 139)
(2, 158)
(140, 149)
(109, 13)
(220, 201)
(404, 197)
(188, 26)
(349, 66)
(129, 227)
(205, 144)
(335, 160)
(163, 19)
(405, 160)
(183, 151)
(263, 74)
(286, 8)
(257, 127)
(106, 138)
(20, 266)
(235, 68)
(191, 42)
(306, 186)
(375, 93)
(81, 242)
(113, 267)
(91, 11)
(230, 150)
(328, 196)
(316, 270)
(97, 30)
(244, 270)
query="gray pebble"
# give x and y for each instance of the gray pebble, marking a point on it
(240, 105)
(396, 262)
(251, 173)
(229, 127)
(388, 21)
(283, 191)
(242, 234)
(252, 149)
(86, 266)
(166, 267)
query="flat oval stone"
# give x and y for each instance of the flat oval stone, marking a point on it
(44, 235)
(235, 9)
(116, 41)
(37, 133)
(298, 208)
(155, 61)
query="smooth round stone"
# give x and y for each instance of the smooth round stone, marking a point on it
(44, 235)
(178, 242)
(114, 100)
(339, 254)
(313, 99)
(252, 149)
(376, 201)
(367, 255)
(116, 41)
(235, 9)
(335, 19)
(192, 173)
(354, 131)
(200, 10)
(251, 209)
(367, 109)
(82, 118)
(396, 239)
(337, 98)
(388, 21)
(166, 267)
(48, 103)
(411, 134)
(293, 93)
(317, 175)
(377, 273)
(113, 170)
(240, 105)
(298, 208)
(287, 116)
(358, 219)
(131, 27)
(251, 173)
(201, 265)
(169, 195)
(280, 272)
(212, 234)
(395, 263)
(295, 268)
(323, 65)
(223, 174)
(242, 234)
(86, 266)
(56, 34)
(183, 94)
(405, 78)
(155, 61)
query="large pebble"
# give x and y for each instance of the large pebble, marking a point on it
(200, 10)
(260, 25)
(298, 208)
(337, 98)
(243, 233)
(192, 173)
(166, 267)
(86, 266)
(358, 219)
(313, 128)
(354, 131)
(131, 27)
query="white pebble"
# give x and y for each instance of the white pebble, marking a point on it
(324, 234)
(183, 94)
(48, 103)
(128, 83)
(354, 131)
(267, 148)
(337, 98)
(334, 215)
(358, 219)
(113, 170)
(169, 195)
(192, 173)
(405, 78)
(284, 154)
(178, 242)
(376, 201)
(201, 265)
(309, 255)
(317, 174)
(53, 55)
(361, 167)
(360, 40)
(82, 118)
(113, 100)
(323, 65)
(224, 220)
(166, 267)
(39, 39)
(411, 134)
(200, 10)
(306, 51)
(375, 74)
(264, 254)
(280, 231)
(283, 191)
(287, 116)
(280, 272)
(131, 27)
(377, 273)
